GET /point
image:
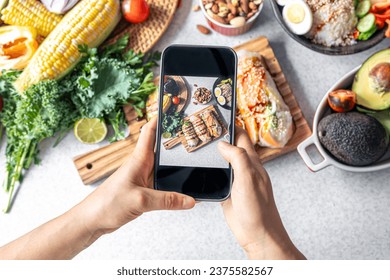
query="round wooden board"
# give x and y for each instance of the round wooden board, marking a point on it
(143, 36)
(183, 93)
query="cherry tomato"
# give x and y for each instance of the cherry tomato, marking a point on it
(175, 100)
(1, 103)
(135, 11)
(342, 100)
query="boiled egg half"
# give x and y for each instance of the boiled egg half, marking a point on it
(298, 17)
(281, 2)
(218, 92)
(221, 100)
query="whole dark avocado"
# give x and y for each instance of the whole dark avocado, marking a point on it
(372, 82)
(171, 86)
(353, 138)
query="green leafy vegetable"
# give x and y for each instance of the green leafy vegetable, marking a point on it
(118, 122)
(39, 113)
(118, 47)
(103, 83)
(171, 123)
(226, 81)
(98, 87)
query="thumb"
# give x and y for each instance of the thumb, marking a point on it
(236, 156)
(150, 200)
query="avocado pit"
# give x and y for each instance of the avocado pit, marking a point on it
(372, 82)
(381, 76)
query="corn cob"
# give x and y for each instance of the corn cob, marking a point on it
(30, 13)
(89, 22)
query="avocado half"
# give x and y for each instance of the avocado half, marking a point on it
(372, 82)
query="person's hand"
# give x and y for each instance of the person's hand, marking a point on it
(121, 198)
(250, 211)
(129, 191)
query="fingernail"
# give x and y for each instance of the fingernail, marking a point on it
(188, 202)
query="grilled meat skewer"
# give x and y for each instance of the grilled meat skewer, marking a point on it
(190, 134)
(200, 129)
(213, 126)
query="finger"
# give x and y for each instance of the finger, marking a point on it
(226, 202)
(150, 200)
(236, 156)
(242, 140)
(147, 138)
(142, 157)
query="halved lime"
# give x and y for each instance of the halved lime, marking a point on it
(90, 131)
(166, 135)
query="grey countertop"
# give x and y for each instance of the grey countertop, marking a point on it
(331, 214)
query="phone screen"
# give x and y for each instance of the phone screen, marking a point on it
(197, 106)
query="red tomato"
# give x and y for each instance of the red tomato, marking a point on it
(135, 11)
(342, 100)
(1, 103)
(175, 100)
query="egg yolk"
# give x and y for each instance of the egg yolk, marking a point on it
(296, 13)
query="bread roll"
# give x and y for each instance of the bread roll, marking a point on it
(200, 129)
(266, 117)
(190, 134)
(213, 126)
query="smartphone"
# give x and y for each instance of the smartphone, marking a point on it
(197, 104)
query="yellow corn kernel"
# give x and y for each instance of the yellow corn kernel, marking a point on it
(60, 48)
(30, 13)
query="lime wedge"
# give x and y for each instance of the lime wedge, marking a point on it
(166, 135)
(90, 131)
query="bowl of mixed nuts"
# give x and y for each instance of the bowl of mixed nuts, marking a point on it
(231, 17)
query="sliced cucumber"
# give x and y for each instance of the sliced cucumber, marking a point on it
(366, 23)
(367, 35)
(363, 8)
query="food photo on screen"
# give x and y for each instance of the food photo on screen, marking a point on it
(195, 117)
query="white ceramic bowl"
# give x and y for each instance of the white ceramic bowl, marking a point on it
(226, 29)
(323, 110)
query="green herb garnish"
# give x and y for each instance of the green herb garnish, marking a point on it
(172, 123)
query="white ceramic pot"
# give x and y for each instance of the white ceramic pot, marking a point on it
(323, 110)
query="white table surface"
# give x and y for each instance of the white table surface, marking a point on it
(331, 214)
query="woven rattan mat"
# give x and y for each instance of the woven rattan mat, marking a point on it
(143, 36)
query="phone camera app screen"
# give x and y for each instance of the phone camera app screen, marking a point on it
(196, 116)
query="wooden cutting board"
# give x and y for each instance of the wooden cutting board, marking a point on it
(102, 162)
(181, 139)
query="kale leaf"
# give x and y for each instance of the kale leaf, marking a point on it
(104, 82)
